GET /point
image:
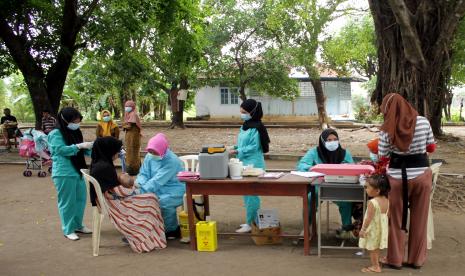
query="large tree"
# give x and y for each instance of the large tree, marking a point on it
(353, 49)
(414, 40)
(245, 52)
(302, 24)
(40, 38)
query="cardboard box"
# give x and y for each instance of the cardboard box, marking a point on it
(267, 218)
(272, 235)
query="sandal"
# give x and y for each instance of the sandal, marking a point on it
(411, 266)
(370, 269)
(385, 264)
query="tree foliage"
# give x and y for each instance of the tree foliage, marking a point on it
(243, 50)
(353, 49)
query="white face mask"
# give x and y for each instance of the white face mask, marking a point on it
(73, 126)
(332, 145)
(128, 109)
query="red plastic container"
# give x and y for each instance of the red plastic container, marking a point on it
(342, 169)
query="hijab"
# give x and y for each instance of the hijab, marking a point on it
(330, 157)
(101, 167)
(158, 143)
(255, 110)
(107, 127)
(132, 117)
(400, 120)
(65, 116)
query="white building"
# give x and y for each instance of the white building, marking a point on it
(222, 101)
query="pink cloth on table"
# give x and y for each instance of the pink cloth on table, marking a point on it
(158, 143)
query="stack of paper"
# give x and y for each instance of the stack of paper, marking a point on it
(308, 174)
(273, 175)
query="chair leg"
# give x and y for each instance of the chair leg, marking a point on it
(96, 225)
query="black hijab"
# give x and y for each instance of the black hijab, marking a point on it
(65, 116)
(330, 157)
(255, 110)
(101, 167)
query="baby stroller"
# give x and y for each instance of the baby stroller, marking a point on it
(33, 146)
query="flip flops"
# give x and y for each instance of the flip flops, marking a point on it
(370, 269)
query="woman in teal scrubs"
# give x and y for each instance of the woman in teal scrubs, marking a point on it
(252, 142)
(329, 151)
(67, 148)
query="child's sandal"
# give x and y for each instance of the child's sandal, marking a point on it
(370, 269)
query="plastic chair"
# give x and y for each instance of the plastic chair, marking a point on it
(191, 162)
(430, 224)
(430, 227)
(98, 211)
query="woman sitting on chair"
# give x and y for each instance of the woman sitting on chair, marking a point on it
(329, 151)
(136, 216)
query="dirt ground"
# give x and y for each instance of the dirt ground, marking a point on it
(31, 242)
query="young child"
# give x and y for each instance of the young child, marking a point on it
(374, 232)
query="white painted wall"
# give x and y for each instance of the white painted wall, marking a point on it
(208, 102)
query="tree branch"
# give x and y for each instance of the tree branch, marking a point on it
(411, 42)
(85, 15)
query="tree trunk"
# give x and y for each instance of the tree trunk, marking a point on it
(242, 92)
(460, 113)
(447, 104)
(177, 106)
(320, 97)
(414, 40)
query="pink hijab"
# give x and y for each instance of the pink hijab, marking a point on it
(158, 143)
(132, 117)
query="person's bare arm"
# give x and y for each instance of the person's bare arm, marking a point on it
(126, 180)
(368, 219)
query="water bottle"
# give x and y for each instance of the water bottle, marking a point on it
(122, 156)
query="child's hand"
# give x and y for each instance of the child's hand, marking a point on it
(362, 234)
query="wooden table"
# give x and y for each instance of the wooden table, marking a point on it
(288, 185)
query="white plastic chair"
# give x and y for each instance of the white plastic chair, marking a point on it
(430, 227)
(191, 162)
(98, 212)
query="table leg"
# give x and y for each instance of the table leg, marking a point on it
(306, 222)
(206, 205)
(190, 214)
(314, 201)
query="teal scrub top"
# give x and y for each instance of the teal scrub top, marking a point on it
(61, 153)
(249, 148)
(311, 159)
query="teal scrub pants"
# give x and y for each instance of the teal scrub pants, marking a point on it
(345, 210)
(168, 204)
(72, 196)
(252, 204)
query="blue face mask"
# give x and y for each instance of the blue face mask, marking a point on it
(128, 109)
(245, 117)
(73, 126)
(332, 145)
(153, 156)
(373, 157)
(106, 118)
